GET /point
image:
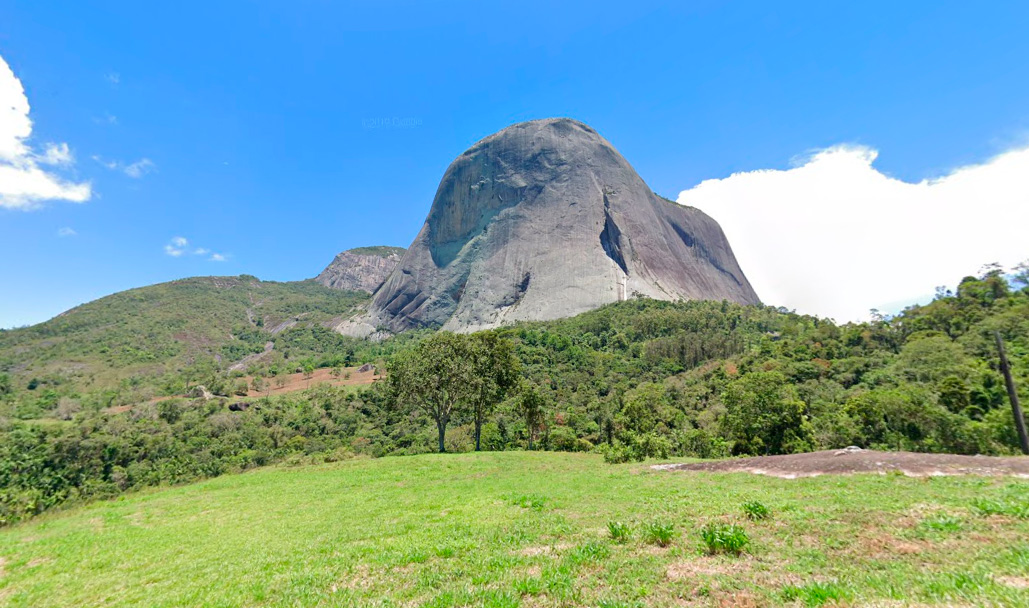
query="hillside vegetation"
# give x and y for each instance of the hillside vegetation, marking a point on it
(633, 380)
(502, 530)
(157, 331)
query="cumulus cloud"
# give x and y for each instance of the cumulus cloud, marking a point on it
(179, 246)
(24, 183)
(835, 237)
(134, 170)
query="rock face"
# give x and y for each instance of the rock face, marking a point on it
(361, 269)
(543, 220)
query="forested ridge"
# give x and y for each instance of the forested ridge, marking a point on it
(636, 379)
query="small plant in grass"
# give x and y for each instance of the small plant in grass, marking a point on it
(724, 538)
(620, 532)
(530, 501)
(659, 533)
(590, 552)
(941, 523)
(815, 594)
(1012, 507)
(529, 586)
(755, 510)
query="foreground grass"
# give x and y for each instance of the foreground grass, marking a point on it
(525, 529)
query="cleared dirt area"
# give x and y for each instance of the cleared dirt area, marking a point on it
(351, 376)
(854, 460)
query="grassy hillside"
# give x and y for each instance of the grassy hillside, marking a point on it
(150, 331)
(524, 529)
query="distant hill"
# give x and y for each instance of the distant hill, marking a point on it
(361, 268)
(150, 329)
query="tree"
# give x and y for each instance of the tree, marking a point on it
(308, 367)
(435, 377)
(765, 416)
(5, 384)
(1020, 274)
(532, 405)
(495, 371)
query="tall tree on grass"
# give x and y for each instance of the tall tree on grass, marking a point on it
(495, 371)
(532, 405)
(435, 376)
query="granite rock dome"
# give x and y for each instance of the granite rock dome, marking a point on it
(543, 220)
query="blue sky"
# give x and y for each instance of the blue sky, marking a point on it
(264, 131)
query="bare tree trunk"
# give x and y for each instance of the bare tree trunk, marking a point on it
(442, 428)
(478, 434)
(1009, 382)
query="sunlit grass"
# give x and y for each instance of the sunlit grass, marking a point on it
(521, 529)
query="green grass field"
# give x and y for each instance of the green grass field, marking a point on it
(525, 529)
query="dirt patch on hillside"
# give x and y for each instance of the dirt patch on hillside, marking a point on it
(350, 376)
(854, 460)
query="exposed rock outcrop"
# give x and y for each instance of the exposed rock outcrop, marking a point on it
(361, 269)
(543, 220)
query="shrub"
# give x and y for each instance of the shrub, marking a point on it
(754, 510)
(659, 533)
(617, 454)
(724, 538)
(620, 532)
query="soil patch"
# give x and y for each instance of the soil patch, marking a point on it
(854, 460)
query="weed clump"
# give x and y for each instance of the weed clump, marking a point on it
(724, 538)
(591, 552)
(815, 594)
(530, 501)
(1011, 506)
(620, 532)
(659, 533)
(755, 510)
(941, 523)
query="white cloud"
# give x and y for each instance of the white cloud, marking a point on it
(57, 155)
(106, 119)
(113, 77)
(134, 170)
(65, 232)
(178, 246)
(23, 183)
(140, 168)
(835, 237)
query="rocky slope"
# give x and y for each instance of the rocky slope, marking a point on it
(543, 220)
(361, 269)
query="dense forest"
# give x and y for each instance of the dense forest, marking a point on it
(632, 380)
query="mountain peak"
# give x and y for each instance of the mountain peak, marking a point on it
(545, 219)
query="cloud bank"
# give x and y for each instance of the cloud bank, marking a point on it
(25, 180)
(835, 237)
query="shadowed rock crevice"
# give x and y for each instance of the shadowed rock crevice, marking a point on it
(611, 238)
(525, 225)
